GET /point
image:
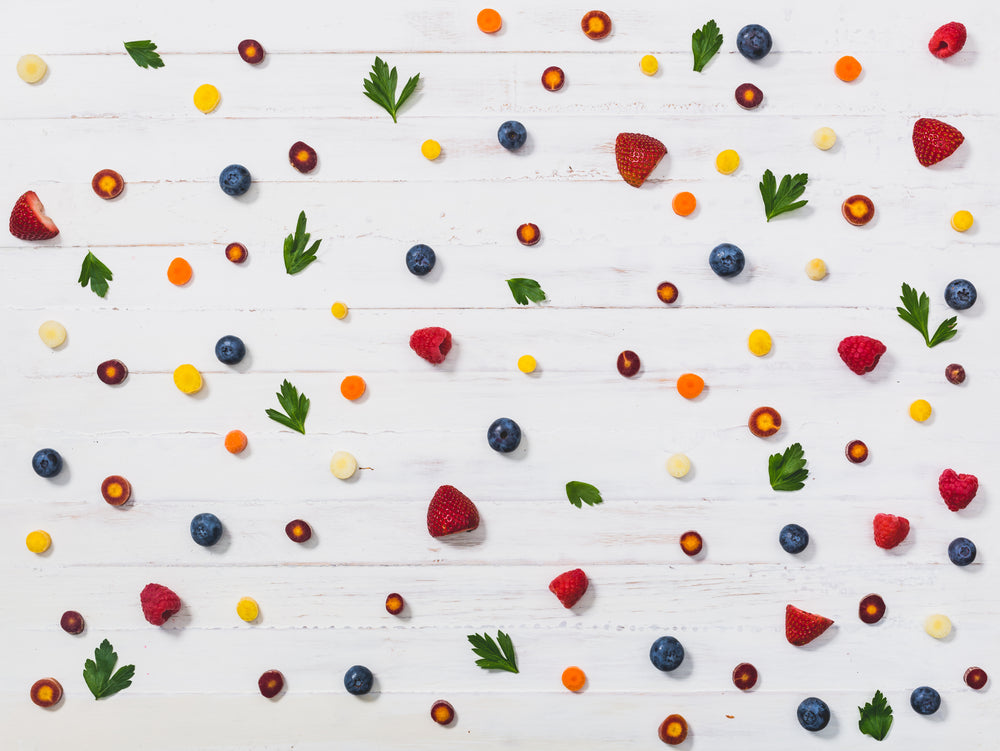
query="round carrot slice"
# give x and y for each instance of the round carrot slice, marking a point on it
(179, 272)
(352, 387)
(489, 21)
(684, 204)
(573, 678)
(690, 385)
(847, 68)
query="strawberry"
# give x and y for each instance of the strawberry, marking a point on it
(957, 490)
(637, 155)
(28, 220)
(802, 627)
(432, 344)
(451, 511)
(890, 530)
(934, 140)
(569, 587)
(947, 40)
(860, 353)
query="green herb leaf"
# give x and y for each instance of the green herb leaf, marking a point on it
(494, 657)
(705, 42)
(779, 199)
(787, 471)
(96, 274)
(380, 87)
(98, 672)
(296, 405)
(296, 255)
(144, 54)
(581, 492)
(525, 290)
(876, 717)
(917, 309)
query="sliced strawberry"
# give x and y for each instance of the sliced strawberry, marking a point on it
(934, 140)
(569, 587)
(28, 220)
(637, 155)
(451, 511)
(802, 627)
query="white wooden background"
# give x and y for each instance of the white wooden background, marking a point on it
(605, 248)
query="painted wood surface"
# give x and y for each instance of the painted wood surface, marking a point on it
(605, 248)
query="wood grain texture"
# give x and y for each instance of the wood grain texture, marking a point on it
(605, 247)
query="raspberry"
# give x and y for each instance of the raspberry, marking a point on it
(158, 603)
(861, 353)
(947, 40)
(957, 490)
(890, 530)
(433, 344)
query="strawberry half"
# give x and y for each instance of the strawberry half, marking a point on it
(451, 511)
(637, 155)
(28, 220)
(569, 587)
(934, 140)
(802, 627)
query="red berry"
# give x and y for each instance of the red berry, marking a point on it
(158, 603)
(860, 353)
(934, 140)
(433, 343)
(890, 530)
(802, 627)
(948, 40)
(569, 587)
(450, 511)
(957, 490)
(637, 155)
(28, 220)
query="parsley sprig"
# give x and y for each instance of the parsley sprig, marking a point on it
(380, 87)
(916, 311)
(787, 471)
(143, 52)
(525, 290)
(705, 42)
(296, 255)
(96, 274)
(876, 717)
(582, 492)
(98, 672)
(295, 404)
(493, 657)
(779, 199)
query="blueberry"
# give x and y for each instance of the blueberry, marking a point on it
(793, 539)
(813, 714)
(358, 680)
(206, 529)
(753, 41)
(47, 463)
(504, 435)
(420, 259)
(234, 180)
(962, 551)
(960, 294)
(925, 700)
(512, 135)
(230, 349)
(726, 260)
(666, 654)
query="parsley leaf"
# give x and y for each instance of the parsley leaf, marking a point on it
(144, 54)
(705, 42)
(876, 717)
(525, 290)
(380, 87)
(581, 492)
(916, 310)
(96, 274)
(781, 198)
(787, 471)
(295, 404)
(97, 672)
(494, 657)
(297, 257)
